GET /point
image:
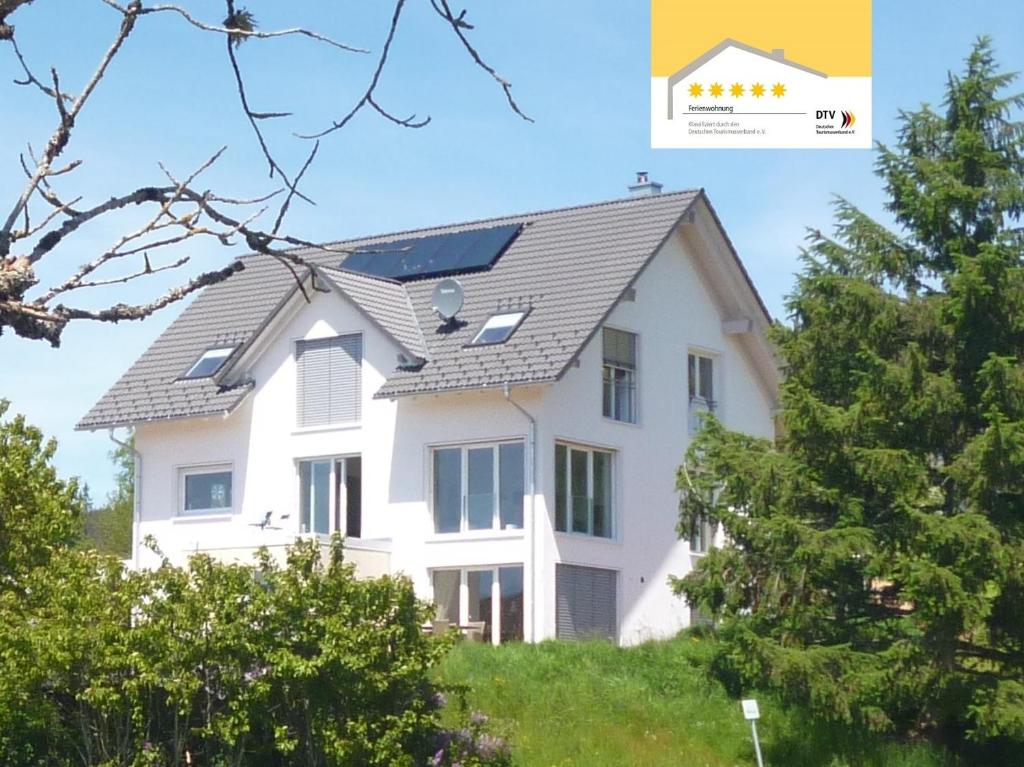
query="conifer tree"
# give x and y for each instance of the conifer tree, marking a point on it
(874, 568)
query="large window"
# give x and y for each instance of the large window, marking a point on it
(700, 371)
(329, 373)
(583, 491)
(330, 496)
(478, 487)
(618, 377)
(206, 490)
(489, 598)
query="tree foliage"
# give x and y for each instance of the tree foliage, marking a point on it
(108, 528)
(875, 563)
(39, 512)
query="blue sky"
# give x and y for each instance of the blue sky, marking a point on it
(580, 69)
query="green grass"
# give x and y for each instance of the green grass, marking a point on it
(596, 705)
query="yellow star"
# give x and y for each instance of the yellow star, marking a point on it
(736, 90)
(778, 90)
(757, 90)
(716, 90)
(696, 89)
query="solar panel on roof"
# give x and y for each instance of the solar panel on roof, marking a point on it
(435, 255)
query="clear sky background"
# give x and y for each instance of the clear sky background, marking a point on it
(581, 69)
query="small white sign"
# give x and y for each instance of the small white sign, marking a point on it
(750, 710)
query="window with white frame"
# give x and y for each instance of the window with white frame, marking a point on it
(700, 376)
(329, 380)
(490, 598)
(498, 328)
(330, 496)
(478, 487)
(209, 362)
(702, 536)
(583, 491)
(618, 375)
(205, 490)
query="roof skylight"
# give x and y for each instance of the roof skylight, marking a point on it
(210, 362)
(498, 328)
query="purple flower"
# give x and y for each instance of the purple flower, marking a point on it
(479, 719)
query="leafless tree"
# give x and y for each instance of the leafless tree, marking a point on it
(42, 220)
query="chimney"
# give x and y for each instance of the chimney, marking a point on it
(644, 187)
(779, 53)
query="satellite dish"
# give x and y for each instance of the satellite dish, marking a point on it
(447, 298)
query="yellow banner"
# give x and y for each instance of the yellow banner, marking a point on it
(828, 36)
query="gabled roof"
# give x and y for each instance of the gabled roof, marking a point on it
(568, 266)
(383, 301)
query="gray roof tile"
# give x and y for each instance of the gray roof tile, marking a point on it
(569, 266)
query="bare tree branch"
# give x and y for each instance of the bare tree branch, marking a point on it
(146, 270)
(177, 211)
(458, 24)
(232, 31)
(367, 97)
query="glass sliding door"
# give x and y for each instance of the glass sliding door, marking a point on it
(510, 468)
(510, 581)
(584, 491)
(446, 595)
(491, 596)
(579, 485)
(448, 490)
(330, 496)
(315, 497)
(480, 488)
(480, 585)
(602, 504)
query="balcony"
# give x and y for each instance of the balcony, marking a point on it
(371, 557)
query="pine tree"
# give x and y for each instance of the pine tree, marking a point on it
(875, 564)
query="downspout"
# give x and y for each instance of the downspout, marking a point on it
(136, 497)
(532, 490)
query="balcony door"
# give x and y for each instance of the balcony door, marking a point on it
(330, 496)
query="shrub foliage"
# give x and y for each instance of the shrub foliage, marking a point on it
(270, 664)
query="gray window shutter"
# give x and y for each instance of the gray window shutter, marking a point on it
(586, 604)
(329, 379)
(619, 348)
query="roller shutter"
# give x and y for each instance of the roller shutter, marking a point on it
(329, 379)
(586, 602)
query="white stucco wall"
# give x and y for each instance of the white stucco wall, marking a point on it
(673, 313)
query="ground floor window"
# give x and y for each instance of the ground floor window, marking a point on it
(330, 496)
(486, 598)
(586, 602)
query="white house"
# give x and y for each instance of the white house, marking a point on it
(517, 462)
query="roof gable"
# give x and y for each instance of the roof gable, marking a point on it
(568, 267)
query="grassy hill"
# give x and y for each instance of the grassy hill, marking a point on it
(595, 705)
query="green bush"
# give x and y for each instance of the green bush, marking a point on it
(216, 664)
